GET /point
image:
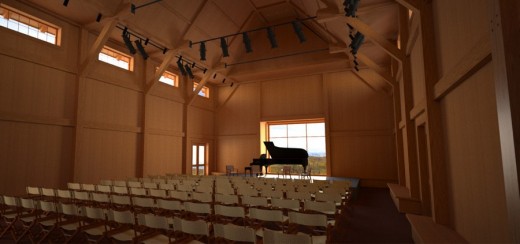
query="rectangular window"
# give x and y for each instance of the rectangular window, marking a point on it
(116, 58)
(29, 25)
(204, 92)
(169, 78)
(308, 135)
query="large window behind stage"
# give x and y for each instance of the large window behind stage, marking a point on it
(309, 135)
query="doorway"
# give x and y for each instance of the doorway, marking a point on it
(199, 159)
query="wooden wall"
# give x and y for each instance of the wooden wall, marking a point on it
(476, 182)
(68, 126)
(360, 122)
(465, 93)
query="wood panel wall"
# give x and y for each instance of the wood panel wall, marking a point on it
(474, 178)
(476, 181)
(38, 106)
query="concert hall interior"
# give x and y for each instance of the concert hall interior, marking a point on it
(412, 101)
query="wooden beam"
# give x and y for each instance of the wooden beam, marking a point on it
(410, 4)
(407, 101)
(164, 65)
(375, 67)
(415, 29)
(234, 89)
(476, 58)
(201, 84)
(434, 124)
(505, 34)
(332, 38)
(364, 80)
(325, 15)
(97, 46)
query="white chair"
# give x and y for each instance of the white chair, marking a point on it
(104, 188)
(235, 233)
(328, 208)
(143, 204)
(126, 231)
(254, 201)
(162, 234)
(201, 210)
(170, 207)
(33, 191)
(135, 184)
(180, 195)
(261, 218)
(226, 199)
(167, 186)
(122, 190)
(65, 195)
(230, 213)
(314, 224)
(301, 196)
(157, 193)
(95, 224)
(272, 194)
(119, 201)
(289, 204)
(150, 185)
(278, 237)
(329, 197)
(73, 215)
(197, 229)
(101, 199)
(202, 197)
(74, 186)
(88, 187)
(119, 183)
(138, 191)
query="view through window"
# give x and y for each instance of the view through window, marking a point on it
(198, 159)
(309, 136)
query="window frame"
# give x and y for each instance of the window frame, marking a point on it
(267, 137)
(168, 73)
(107, 51)
(204, 91)
(22, 18)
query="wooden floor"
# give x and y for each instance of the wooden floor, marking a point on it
(372, 218)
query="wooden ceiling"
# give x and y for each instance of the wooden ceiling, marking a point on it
(171, 23)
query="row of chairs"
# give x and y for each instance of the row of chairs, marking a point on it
(95, 223)
(328, 205)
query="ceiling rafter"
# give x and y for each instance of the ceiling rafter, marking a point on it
(258, 11)
(326, 15)
(410, 4)
(200, 85)
(110, 24)
(332, 38)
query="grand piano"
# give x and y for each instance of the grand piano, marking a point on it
(281, 155)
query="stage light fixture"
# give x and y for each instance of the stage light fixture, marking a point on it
(164, 50)
(224, 46)
(98, 18)
(181, 68)
(272, 38)
(204, 71)
(141, 49)
(356, 68)
(215, 76)
(247, 42)
(193, 65)
(350, 7)
(356, 42)
(65, 3)
(202, 51)
(224, 81)
(188, 71)
(132, 8)
(298, 30)
(128, 42)
(356, 62)
(232, 83)
(146, 41)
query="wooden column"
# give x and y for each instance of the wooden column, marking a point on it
(186, 89)
(505, 33)
(407, 98)
(438, 172)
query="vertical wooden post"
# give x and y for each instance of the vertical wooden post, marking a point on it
(407, 98)
(438, 172)
(505, 35)
(186, 89)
